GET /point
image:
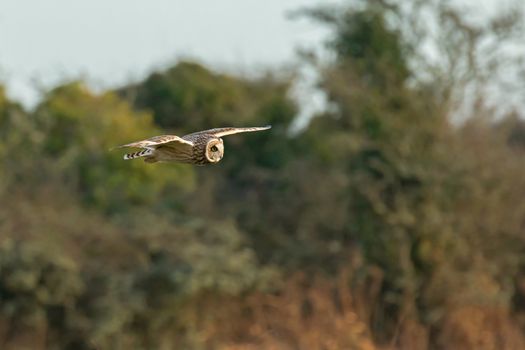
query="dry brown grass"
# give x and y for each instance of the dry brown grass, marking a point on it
(480, 328)
(323, 313)
(307, 313)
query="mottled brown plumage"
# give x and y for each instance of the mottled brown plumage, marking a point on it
(199, 148)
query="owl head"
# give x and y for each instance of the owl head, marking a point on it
(214, 150)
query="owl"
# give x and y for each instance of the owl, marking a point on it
(200, 148)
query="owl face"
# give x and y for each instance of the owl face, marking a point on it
(214, 150)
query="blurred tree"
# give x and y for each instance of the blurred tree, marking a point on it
(188, 96)
(80, 128)
(37, 288)
(391, 138)
(17, 141)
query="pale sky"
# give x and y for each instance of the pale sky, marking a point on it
(109, 42)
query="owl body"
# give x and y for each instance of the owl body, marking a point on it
(199, 148)
(202, 144)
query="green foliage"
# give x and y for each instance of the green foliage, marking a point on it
(17, 138)
(37, 286)
(34, 278)
(201, 257)
(363, 40)
(81, 128)
(189, 96)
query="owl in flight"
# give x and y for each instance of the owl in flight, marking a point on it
(199, 148)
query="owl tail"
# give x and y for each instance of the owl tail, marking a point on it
(143, 153)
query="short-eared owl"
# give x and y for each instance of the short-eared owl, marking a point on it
(199, 148)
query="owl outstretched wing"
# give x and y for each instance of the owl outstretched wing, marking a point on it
(219, 132)
(164, 140)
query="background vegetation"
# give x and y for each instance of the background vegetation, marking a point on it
(394, 220)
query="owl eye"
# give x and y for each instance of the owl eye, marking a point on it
(214, 149)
